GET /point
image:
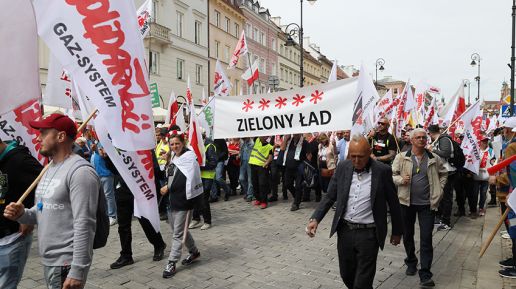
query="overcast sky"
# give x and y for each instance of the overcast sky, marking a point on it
(430, 41)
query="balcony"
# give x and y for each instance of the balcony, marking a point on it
(159, 34)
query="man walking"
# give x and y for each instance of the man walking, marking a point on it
(362, 188)
(66, 206)
(382, 142)
(18, 169)
(420, 176)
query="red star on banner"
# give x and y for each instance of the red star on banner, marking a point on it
(248, 105)
(316, 95)
(280, 102)
(298, 99)
(264, 103)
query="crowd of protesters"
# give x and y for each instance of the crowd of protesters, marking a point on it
(425, 165)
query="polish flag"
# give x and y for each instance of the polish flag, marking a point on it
(251, 74)
(172, 108)
(194, 132)
(240, 49)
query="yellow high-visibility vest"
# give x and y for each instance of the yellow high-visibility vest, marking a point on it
(260, 153)
(208, 174)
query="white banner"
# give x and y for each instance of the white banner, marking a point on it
(19, 77)
(137, 170)
(323, 107)
(58, 91)
(14, 125)
(99, 43)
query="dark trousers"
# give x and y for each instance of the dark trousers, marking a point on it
(503, 207)
(125, 204)
(464, 189)
(492, 192)
(204, 209)
(233, 173)
(277, 173)
(480, 188)
(293, 182)
(445, 206)
(316, 188)
(426, 225)
(261, 182)
(358, 251)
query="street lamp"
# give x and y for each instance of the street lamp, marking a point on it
(467, 84)
(475, 57)
(379, 63)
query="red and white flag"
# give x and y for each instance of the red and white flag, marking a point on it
(99, 43)
(251, 74)
(472, 120)
(221, 83)
(453, 110)
(386, 106)
(144, 17)
(405, 106)
(194, 132)
(172, 109)
(431, 115)
(240, 49)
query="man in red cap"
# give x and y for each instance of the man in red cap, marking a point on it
(66, 205)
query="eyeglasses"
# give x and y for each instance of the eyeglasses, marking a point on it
(382, 123)
(423, 137)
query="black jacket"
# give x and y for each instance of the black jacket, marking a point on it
(222, 150)
(383, 192)
(21, 169)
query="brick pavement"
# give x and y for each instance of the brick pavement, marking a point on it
(252, 248)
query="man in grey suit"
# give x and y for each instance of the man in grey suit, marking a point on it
(361, 188)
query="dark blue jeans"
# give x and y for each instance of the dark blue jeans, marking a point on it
(220, 181)
(480, 188)
(426, 225)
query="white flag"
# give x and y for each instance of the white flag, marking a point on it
(333, 73)
(100, 45)
(194, 131)
(221, 83)
(385, 106)
(144, 17)
(365, 101)
(58, 91)
(240, 49)
(206, 117)
(472, 120)
(19, 77)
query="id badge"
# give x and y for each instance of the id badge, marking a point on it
(4, 187)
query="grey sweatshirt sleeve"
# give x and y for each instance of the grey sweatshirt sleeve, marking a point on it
(443, 148)
(84, 194)
(28, 217)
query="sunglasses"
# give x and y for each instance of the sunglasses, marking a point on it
(382, 123)
(424, 137)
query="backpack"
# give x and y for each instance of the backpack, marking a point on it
(457, 158)
(102, 219)
(309, 175)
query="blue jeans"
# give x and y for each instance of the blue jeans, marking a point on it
(480, 187)
(219, 181)
(12, 261)
(108, 184)
(245, 179)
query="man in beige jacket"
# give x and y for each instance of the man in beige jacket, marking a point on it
(420, 176)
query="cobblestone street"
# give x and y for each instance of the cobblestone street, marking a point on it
(252, 248)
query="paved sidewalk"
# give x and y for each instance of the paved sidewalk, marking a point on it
(252, 248)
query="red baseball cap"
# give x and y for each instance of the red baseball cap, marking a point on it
(57, 121)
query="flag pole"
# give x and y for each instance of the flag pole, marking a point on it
(36, 181)
(251, 69)
(491, 237)
(455, 121)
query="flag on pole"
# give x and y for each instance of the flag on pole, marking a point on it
(240, 49)
(221, 83)
(333, 73)
(172, 109)
(386, 106)
(453, 110)
(251, 74)
(144, 17)
(431, 115)
(58, 91)
(365, 99)
(194, 132)
(406, 104)
(472, 120)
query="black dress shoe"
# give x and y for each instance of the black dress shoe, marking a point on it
(459, 214)
(294, 208)
(159, 253)
(427, 283)
(273, 199)
(226, 197)
(213, 200)
(121, 262)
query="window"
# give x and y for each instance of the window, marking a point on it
(395, 91)
(282, 74)
(255, 34)
(248, 29)
(154, 62)
(273, 72)
(198, 29)
(154, 16)
(217, 49)
(198, 74)
(273, 44)
(237, 30)
(281, 49)
(262, 39)
(262, 65)
(228, 24)
(180, 68)
(179, 26)
(217, 18)
(237, 87)
(226, 54)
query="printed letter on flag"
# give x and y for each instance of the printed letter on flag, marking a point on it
(472, 120)
(144, 17)
(99, 43)
(240, 49)
(318, 108)
(221, 83)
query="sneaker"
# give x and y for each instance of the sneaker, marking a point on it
(427, 283)
(194, 224)
(507, 263)
(482, 212)
(294, 207)
(248, 199)
(506, 236)
(263, 205)
(170, 269)
(206, 226)
(121, 262)
(159, 252)
(411, 271)
(190, 258)
(112, 221)
(257, 203)
(443, 227)
(508, 273)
